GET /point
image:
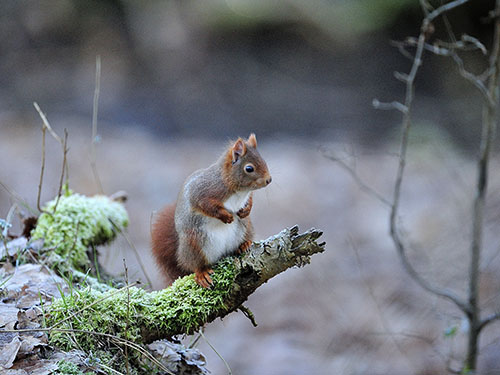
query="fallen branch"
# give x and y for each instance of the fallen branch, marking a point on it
(184, 307)
(100, 319)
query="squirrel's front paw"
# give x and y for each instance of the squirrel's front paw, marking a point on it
(244, 212)
(226, 217)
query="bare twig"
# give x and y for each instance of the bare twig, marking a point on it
(414, 336)
(229, 372)
(443, 9)
(18, 198)
(94, 123)
(127, 317)
(406, 122)
(383, 321)
(447, 49)
(455, 45)
(46, 127)
(401, 46)
(472, 78)
(46, 123)
(489, 319)
(390, 106)
(362, 185)
(249, 314)
(490, 108)
(466, 42)
(64, 164)
(134, 249)
(489, 92)
(42, 169)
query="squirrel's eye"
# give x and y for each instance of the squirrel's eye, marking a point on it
(249, 168)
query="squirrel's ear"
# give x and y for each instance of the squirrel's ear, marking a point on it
(238, 150)
(252, 141)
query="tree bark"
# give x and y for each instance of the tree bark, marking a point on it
(184, 307)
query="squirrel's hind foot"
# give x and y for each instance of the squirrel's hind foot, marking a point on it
(244, 247)
(203, 278)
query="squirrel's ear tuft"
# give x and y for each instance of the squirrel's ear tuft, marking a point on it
(252, 141)
(238, 150)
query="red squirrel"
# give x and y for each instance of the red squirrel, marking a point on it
(211, 216)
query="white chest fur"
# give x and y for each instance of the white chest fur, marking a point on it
(237, 201)
(222, 238)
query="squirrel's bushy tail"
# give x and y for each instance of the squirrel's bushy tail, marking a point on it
(164, 242)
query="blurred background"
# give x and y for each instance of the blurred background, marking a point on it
(181, 78)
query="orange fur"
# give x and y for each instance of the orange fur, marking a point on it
(164, 241)
(213, 207)
(204, 196)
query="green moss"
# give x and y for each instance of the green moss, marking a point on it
(67, 368)
(133, 313)
(77, 223)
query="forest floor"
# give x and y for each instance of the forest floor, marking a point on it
(353, 310)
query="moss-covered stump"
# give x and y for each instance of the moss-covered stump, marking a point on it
(183, 308)
(72, 223)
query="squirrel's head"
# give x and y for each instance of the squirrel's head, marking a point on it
(245, 169)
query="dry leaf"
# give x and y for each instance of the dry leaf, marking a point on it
(8, 353)
(13, 247)
(8, 314)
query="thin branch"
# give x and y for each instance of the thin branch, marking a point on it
(426, 7)
(489, 125)
(134, 249)
(489, 319)
(46, 123)
(472, 78)
(127, 317)
(383, 321)
(443, 9)
(94, 123)
(229, 372)
(440, 48)
(362, 185)
(64, 164)
(42, 169)
(249, 314)
(401, 48)
(406, 124)
(395, 105)
(46, 126)
(414, 336)
(18, 198)
(477, 81)
(490, 96)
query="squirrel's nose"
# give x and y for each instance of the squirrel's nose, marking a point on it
(268, 181)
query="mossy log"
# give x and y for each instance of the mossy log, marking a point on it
(72, 223)
(105, 321)
(142, 317)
